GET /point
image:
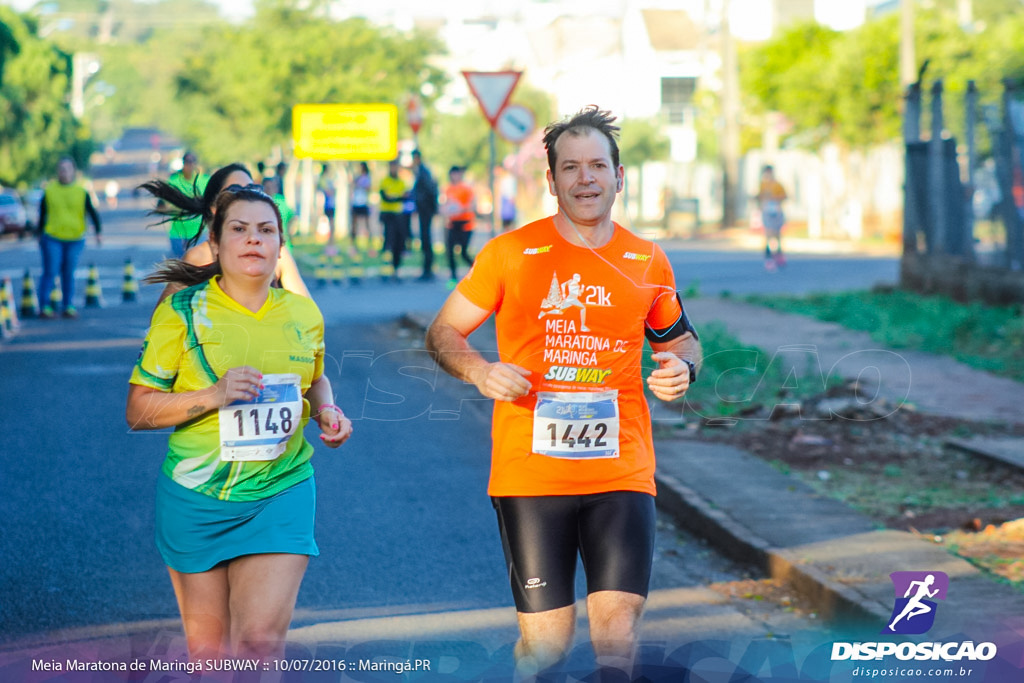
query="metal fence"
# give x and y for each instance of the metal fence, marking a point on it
(949, 195)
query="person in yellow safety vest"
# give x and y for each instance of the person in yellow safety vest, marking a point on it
(394, 192)
(62, 213)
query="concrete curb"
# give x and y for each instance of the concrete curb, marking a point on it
(832, 599)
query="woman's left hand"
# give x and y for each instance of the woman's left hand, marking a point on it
(335, 426)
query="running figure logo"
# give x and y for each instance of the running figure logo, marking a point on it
(561, 297)
(914, 613)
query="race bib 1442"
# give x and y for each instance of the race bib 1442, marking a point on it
(576, 425)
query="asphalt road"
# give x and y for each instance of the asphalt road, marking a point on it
(407, 536)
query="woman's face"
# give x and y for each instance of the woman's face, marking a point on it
(240, 178)
(250, 241)
(237, 178)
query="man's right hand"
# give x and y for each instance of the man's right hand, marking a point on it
(504, 382)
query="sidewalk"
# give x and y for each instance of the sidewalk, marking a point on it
(750, 240)
(929, 383)
(832, 554)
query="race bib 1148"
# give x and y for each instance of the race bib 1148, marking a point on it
(260, 429)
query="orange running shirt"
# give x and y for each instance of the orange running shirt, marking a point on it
(575, 318)
(462, 195)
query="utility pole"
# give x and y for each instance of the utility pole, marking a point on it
(731, 122)
(908, 66)
(84, 66)
(965, 14)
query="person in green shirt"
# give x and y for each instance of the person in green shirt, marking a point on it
(192, 182)
(272, 186)
(62, 212)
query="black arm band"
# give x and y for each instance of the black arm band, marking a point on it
(677, 329)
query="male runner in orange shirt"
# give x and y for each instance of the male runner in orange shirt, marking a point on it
(460, 208)
(572, 468)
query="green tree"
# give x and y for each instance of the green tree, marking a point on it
(237, 88)
(99, 22)
(38, 126)
(845, 86)
(865, 71)
(138, 79)
(790, 74)
(8, 47)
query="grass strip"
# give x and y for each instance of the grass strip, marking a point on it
(985, 337)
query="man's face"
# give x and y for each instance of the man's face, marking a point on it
(584, 181)
(65, 172)
(393, 169)
(189, 166)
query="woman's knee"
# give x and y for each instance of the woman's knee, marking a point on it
(260, 639)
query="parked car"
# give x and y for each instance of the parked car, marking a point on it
(31, 200)
(13, 217)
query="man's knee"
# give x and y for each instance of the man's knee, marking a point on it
(614, 618)
(545, 638)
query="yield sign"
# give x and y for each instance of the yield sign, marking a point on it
(492, 90)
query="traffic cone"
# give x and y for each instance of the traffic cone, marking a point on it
(385, 268)
(322, 270)
(355, 268)
(130, 288)
(6, 328)
(93, 292)
(29, 303)
(337, 268)
(8, 298)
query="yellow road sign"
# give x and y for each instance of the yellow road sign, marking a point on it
(353, 132)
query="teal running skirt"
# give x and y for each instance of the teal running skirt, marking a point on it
(196, 532)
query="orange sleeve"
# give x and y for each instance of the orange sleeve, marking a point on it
(484, 285)
(665, 310)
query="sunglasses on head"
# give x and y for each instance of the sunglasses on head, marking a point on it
(251, 187)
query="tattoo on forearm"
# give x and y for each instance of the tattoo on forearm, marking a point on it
(196, 410)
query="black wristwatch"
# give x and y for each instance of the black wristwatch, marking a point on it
(693, 369)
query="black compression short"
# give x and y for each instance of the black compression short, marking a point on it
(541, 535)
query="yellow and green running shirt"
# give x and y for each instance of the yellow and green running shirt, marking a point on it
(197, 335)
